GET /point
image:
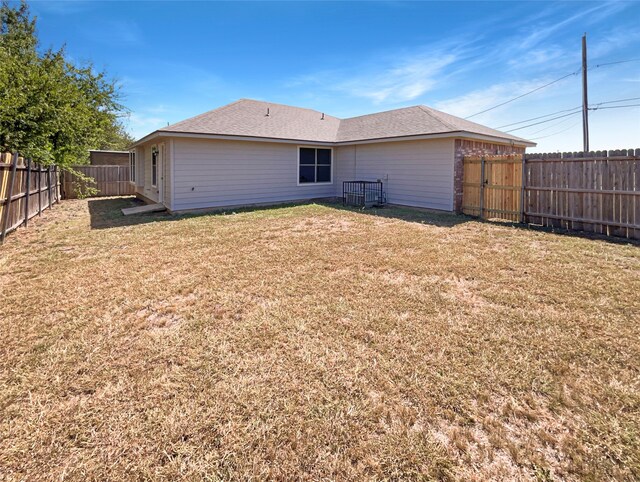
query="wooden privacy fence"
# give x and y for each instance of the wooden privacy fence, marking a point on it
(596, 192)
(26, 188)
(109, 181)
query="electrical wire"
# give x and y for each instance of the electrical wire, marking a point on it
(555, 133)
(616, 101)
(574, 110)
(614, 107)
(552, 126)
(542, 122)
(579, 122)
(539, 117)
(551, 83)
(613, 63)
(525, 94)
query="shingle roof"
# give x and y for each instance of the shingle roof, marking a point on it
(411, 121)
(252, 118)
(247, 117)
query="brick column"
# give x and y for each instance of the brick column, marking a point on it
(468, 147)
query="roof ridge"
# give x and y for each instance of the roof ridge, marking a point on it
(203, 114)
(381, 112)
(428, 111)
(287, 105)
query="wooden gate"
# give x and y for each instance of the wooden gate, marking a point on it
(492, 187)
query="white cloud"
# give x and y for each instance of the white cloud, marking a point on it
(405, 80)
(612, 43)
(543, 30)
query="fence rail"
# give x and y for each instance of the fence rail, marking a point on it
(26, 189)
(109, 181)
(593, 192)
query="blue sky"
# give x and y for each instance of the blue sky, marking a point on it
(178, 59)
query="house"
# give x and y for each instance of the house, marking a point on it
(251, 152)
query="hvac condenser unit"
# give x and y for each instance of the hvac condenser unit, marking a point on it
(363, 193)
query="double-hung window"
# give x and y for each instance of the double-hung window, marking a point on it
(132, 166)
(314, 165)
(154, 167)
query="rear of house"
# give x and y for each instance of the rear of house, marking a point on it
(253, 153)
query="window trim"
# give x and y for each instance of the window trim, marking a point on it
(132, 166)
(156, 151)
(324, 183)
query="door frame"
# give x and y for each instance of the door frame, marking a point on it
(159, 148)
(160, 173)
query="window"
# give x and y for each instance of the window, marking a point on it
(132, 166)
(154, 166)
(314, 165)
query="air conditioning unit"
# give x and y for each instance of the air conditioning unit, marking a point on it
(364, 194)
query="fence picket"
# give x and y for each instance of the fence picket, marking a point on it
(109, 181)
(595, 192)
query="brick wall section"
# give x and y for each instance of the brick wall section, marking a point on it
(467, 147)
(109, 158)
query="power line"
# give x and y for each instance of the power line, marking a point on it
(617, 62)
(570, 111)
(573, 125)
(614, 107)
(551, 126)
(550, 83)
(556, 133)
(616, 101)
(548, 120)
(539, 117)
(525, 94)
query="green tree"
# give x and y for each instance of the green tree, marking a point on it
(52, 110)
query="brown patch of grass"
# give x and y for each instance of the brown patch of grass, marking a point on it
(310, 342)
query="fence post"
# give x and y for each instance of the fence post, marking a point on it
(57, 176)
(482, 187)
(49, 186)
(523, 214)
(26, 199)
(39, 190)
(7, 205)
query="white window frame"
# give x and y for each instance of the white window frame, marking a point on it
(154, 166)
(316, 164)
(132, 166)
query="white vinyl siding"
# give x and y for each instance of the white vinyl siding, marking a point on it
(218, 173)
(414, 173)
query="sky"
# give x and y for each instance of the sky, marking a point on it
(177, 59)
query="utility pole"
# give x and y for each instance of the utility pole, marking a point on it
(585, 102)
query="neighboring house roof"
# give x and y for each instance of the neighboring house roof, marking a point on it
(253, 118)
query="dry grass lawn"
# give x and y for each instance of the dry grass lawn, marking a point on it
(315, 343)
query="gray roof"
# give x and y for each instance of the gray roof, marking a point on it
(253, 118)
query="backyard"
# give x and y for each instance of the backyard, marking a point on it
(315, 342)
